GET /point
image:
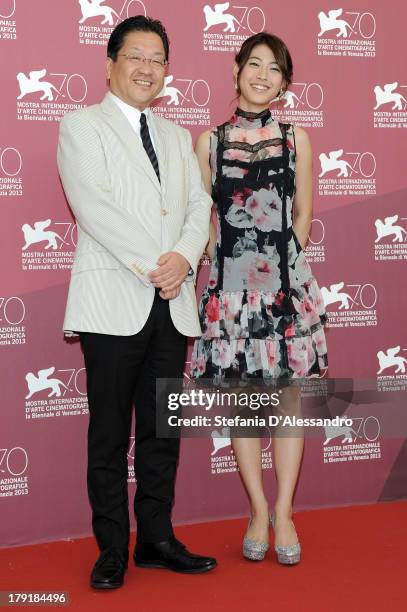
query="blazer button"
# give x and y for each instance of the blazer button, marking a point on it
(164, 211)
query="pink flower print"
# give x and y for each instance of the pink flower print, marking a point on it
(200, 364)
(225, 301)
(264, 134)
(306, 308)
(301, 357)
(279, 298)
(234, 172)
(221, 354)
(264, 266)
(264, 207)
(253, 298)
(290, 331)
(296, 358)
(320, 341)
(319, 302)
(239, 216)
(239, 345)
(236, 155)
(271, 354)
(261, 210)
(213, 275)
(239, 197)
(228, 309)
(212, 309)
(231, 306)
(290, 144)
(274, 150)
(237, 134)
(254, 136)
(262, 273)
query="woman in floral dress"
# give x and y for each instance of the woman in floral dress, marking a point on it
(262, 312)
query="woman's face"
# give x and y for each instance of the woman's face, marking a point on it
(260, 80)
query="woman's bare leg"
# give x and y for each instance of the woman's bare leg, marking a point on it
(288, 450)
(248, 456)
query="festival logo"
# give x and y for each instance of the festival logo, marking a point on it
(94, 8)
(301, 104)
(347, 173)
(56, 242)
(98, 18)
(350, 305)
(12, 316)
(346, 33)
(47, 96)
(315, 249)
(358, 442)
(56, 393)
(392, 359)
(14, 479)
(33, 84)
(11, 180)
(218, 16)
(223, 459)
(8, 24)
(331, 21)
(391, 239)
(391, 373)
(392, 102)
(227, 26)
(185, 101)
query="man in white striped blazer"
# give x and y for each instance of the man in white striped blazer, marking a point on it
(134, 186)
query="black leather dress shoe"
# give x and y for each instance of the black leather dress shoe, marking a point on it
(109, 570)
(172, 555)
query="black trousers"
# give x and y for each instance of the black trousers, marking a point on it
(122, 370)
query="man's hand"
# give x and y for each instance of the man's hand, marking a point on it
(170, 295)
(172, 271)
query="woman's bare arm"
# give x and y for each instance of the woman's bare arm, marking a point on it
(302, 206)
(202, 153)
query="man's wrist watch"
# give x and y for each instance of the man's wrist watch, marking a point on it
(190, 272)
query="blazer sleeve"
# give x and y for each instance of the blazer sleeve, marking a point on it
(86, 182)
(195, 232)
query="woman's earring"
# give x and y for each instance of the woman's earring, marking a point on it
(236, 87)
(281, 94)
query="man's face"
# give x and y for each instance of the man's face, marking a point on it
(137, 83)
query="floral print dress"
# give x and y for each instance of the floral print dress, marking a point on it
(262, 312)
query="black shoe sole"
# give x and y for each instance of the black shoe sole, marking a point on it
(158, 565)
(105, 586)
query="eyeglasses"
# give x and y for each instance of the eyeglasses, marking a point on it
(137, 59)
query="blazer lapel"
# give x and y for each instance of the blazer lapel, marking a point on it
(131, 143)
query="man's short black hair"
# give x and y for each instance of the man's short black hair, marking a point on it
(138, 23)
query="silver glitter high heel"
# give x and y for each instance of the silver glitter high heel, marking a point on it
(253, 549)
(287, 555)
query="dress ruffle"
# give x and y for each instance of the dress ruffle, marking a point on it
(269, 358)
(261, 331)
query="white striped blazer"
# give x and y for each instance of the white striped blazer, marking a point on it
(126, 218)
